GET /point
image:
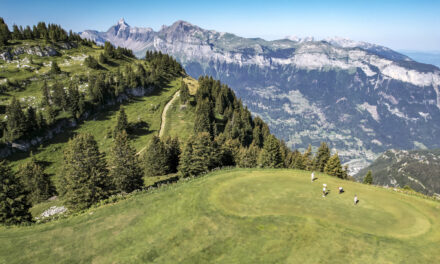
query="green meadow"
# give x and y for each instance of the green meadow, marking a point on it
(240, 216)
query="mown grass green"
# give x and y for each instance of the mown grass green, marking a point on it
(240, 216)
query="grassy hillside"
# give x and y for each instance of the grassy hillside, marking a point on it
(240, 216)
(27, 72)
(147, 109)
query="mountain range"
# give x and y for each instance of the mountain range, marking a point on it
(418, 169)
(362, 98)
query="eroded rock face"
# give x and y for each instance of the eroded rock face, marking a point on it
(45, 51)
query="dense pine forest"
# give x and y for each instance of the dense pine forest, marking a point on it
(224, 134)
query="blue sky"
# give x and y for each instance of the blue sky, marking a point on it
(408, 25)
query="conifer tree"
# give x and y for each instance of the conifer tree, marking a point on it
(155, 159)
(229, 152)
(27, 33)
(307, 158)
(5, 34)
(51, 114)
(16, 33)
(54, 68)
(297, 161)
(333, 167)
(368, 179)
(76, 101)
(14, 206)
(91, 62)
(85, 173)
(204, 117)
(35, 181)
(16, 121)
(59, 96)
(31, 120)
(46, 94)
(172, 147)
(270, 155)
(125, 170)
(41, 121)
(184, 92)
(321, 157)
(109, 50)
(249, 157)
(102, 59)
(121, 123)
(197, 156)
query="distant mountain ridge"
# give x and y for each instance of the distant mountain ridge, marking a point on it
(361, 97)
(419, 169)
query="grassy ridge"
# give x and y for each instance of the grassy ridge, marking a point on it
(240, 216)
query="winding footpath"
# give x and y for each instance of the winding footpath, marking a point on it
(163, 118)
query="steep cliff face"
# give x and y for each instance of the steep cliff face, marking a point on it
(361, 97)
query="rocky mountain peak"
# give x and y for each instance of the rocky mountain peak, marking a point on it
(122, 22)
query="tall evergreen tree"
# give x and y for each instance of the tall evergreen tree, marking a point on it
(333, 167)
(321, 157)
(50, 114)
(46, 94)
(368, 179)
(125, 170)
(172, 147)
(184, 92)
(35, 181)
(197, 156)
(31, 120)
(76, 101)
(91, 63)
(85, 173)
(297, 161)
(307, 158)
(155, 159)
(270, 155)
(16, 121)
(249, 157)
(14, 206)
(54, 68)
(27, 33)
(5, 34)
(16, 33)
(204, 117)
(59, 96)
(102, 58)
(121, 123)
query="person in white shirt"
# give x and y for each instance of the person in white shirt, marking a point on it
(355, 199)
(313, 176)
(324, 191)
(341, 190)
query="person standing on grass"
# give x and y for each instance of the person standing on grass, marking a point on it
(355, 199)
(313, 176)
(324, 190)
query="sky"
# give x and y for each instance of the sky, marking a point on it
(400, 25)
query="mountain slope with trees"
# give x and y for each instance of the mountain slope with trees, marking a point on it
(360, 97)
(417, 169)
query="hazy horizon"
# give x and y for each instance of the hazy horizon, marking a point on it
(399, 25)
